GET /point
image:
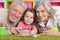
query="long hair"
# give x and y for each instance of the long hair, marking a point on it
(47, 6)
(34, 14)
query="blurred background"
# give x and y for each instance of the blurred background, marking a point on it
(4, 5)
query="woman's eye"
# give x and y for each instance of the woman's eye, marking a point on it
(42, 10)
(37, 11)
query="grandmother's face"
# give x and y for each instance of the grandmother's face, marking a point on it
(15, 13)
(42, 13)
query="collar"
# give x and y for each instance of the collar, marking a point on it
(48, 25)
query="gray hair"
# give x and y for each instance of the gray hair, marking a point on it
(47, 5)
(20, 2)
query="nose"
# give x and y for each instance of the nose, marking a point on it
(17, 13)
(29, 18)
(40, 14)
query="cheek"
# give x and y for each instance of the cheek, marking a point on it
(12, 11)
(25, 18)
(32, 20)
(37, 14)
(19, 15)
(46, 15)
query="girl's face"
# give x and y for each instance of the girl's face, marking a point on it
(42, 13)
(28, 18)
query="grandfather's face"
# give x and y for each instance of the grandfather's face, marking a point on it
(42, 13)
(15, 13)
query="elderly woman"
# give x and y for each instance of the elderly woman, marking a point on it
(45, 14)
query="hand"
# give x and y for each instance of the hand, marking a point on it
(13, 30)
(33, 32)
(48, 32)
(19, 28)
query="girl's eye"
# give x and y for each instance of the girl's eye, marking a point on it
(31, 17)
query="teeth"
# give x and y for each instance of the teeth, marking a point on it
(14, 17)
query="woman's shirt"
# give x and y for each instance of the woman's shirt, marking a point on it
(50, 25)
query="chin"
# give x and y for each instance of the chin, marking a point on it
(28, 23)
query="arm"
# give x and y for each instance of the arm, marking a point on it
(18, 28)
(15, 30)
(34, 30)
(50, 33)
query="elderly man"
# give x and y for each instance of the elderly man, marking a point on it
(15, 12)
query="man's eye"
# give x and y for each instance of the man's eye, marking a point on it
(15, 10)
(31, 17)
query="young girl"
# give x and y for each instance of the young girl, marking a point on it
(27, 25)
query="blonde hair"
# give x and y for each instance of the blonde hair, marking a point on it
(47, 6)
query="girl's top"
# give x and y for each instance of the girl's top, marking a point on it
(24, 26)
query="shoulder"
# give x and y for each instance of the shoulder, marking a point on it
(20, 23)
(33, 26)
(50, 23)
(50, 20)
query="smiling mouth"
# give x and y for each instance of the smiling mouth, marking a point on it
(28, 21)
(14, 17)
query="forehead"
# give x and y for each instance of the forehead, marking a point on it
(40, 7)
(18, 7)
(29, 13)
